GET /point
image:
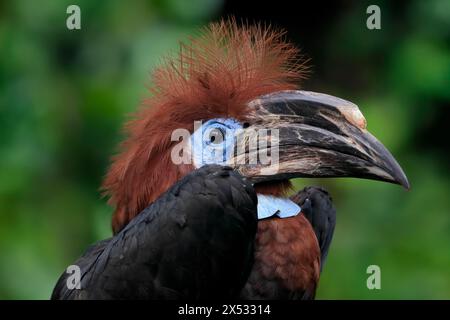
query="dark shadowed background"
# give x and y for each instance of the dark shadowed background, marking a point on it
(64, 95)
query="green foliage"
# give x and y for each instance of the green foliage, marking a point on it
(64, 95)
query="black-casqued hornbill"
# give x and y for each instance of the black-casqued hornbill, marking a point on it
(220, 227)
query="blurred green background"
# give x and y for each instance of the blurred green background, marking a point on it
(64, 95)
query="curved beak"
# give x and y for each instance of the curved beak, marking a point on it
(313, 135)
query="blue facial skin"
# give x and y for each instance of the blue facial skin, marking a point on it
(214, 143)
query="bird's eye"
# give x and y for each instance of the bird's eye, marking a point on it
(246, 125)
(216, 136)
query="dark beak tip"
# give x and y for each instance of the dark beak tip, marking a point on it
(401, 179)
(406, 184)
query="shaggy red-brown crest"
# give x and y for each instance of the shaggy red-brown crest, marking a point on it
(215, 75)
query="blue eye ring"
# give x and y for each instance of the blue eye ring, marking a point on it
(221, 148)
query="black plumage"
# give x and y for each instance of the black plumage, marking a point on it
(317, 206)
(195, 241)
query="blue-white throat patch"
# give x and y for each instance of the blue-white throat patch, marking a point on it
(269, 206)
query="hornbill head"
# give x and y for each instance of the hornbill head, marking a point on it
(234, 89)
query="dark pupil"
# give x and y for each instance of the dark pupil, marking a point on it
(216, 136)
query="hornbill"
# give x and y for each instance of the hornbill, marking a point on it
(220, 225)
